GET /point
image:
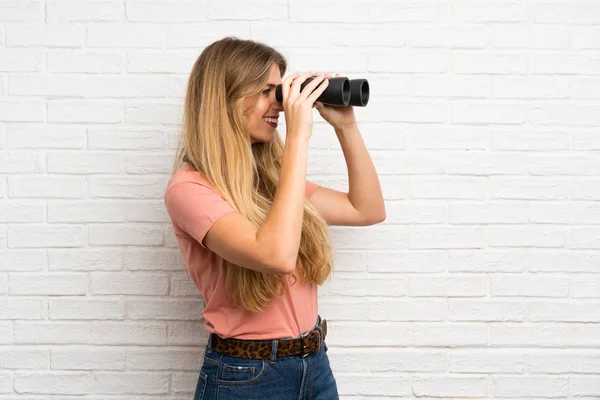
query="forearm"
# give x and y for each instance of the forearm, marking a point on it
(364, 187)
(283, 226)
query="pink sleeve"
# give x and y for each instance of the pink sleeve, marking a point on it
(310, 188)
(195, 208)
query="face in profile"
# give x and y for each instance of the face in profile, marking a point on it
(263, 119)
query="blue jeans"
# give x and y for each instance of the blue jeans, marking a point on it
(289, 378)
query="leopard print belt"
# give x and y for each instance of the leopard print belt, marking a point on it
(261, 349)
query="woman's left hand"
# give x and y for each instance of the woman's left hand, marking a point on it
(339, 117)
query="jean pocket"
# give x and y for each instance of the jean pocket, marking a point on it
(237, 371)
(201, 386)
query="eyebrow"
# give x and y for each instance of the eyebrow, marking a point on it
(271, 85)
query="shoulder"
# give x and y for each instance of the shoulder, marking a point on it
(193, 204)
(189, 190)
(186, 179)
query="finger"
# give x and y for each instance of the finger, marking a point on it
(318, 91)
(294, 90)
(310, 87)
(300, 79)
(285, 85)
(290, 78)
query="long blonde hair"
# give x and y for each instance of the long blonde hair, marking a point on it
(215, 142)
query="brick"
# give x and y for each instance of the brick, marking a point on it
(534, 141)
(449, 335)
(21, 162)
(555, 311)
(76, 61)
(88, 211)
(34, 136)
(538, 335)
(20, 60)
(464, 213)
(132, 383)
(49, 332)
(59, 85)
(128, 86)
(444, 237)
(18, 11)
(499, 62)
(493, 11)
(125, 234)
(414, 310)
(537, 285)
(113, 283)
(459, 286)
(168, 309)
(83, 309)
(412, 11)
(92, 11)
(59, 383)
(451, 386)
(115, 137)
(50, 35)
(258, 10)
(155, 359)
(22, 111)
(86, 259)
(74, 358)
(24, 358)
(378, 385)
(488, 361)
(354, 11)
(535, 386)
(22, 309)
(486, 310)
(527, 236)
(87, 111)
(22, 211)
(50, 235)
(66, 187)
(128, 333)
(23, 260)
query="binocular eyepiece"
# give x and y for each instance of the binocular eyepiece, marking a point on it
(341, 91)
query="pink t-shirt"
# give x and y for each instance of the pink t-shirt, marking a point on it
(194, 206)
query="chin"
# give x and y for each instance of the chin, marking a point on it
(264, 137)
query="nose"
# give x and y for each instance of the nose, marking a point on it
(277, 106)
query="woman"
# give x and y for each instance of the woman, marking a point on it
(251, 240)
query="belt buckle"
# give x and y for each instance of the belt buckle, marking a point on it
(304, 342)
(303, 345)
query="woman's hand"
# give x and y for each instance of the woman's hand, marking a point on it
(338, 117)
(297, 105)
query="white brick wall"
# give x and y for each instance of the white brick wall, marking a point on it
(483, 282)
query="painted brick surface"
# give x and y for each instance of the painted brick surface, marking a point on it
(483, 282)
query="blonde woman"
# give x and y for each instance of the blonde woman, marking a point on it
(252, 231)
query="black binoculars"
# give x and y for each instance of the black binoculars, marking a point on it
(341, 91)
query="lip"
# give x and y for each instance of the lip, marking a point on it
(275, 117)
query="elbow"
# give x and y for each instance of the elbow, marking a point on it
(377, 218)
(282, 269)
(289, 266)
(283, 264)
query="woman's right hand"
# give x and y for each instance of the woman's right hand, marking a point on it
(297, 105)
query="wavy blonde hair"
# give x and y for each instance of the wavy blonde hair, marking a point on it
(216, 143)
